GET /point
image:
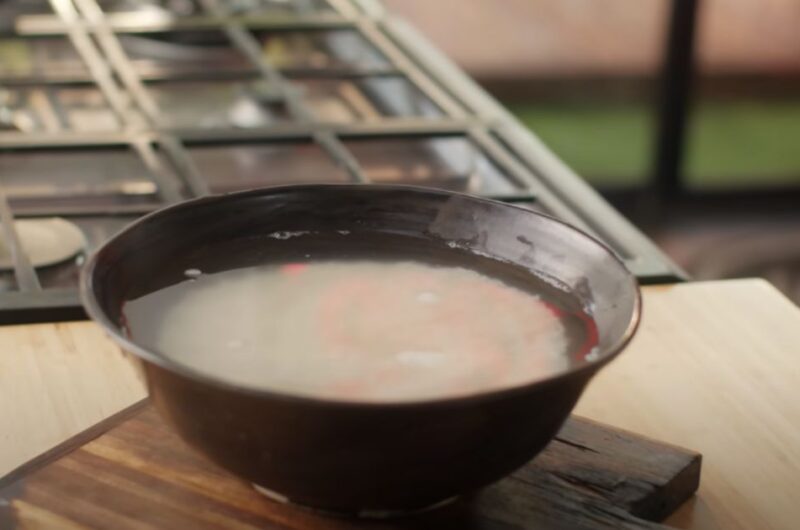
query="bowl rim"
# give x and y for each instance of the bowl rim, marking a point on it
(583, 370)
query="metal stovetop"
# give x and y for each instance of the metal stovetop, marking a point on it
(112, 109)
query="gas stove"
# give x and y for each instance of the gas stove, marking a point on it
(112, 109)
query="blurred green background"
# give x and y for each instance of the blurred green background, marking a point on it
(732, 144)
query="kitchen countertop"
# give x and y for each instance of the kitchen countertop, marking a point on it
(714, 368)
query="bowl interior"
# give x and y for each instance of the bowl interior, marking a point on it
(244, 229)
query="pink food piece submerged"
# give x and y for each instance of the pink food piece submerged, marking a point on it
(293, 269)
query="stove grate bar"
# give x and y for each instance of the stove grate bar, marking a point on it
(478, 130)
(293, 72)
(168, 143)
(247, 44)
(25, 274)
(118, 210)
(400, 128)
(104, 79)
(50, 25)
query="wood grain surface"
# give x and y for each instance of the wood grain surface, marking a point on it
(139, 475)
(57, 380)
(715, 367)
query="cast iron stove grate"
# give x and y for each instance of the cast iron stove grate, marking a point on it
(111, 109)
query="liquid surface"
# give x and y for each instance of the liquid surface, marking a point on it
(356, 330)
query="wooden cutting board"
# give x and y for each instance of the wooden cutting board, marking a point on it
(139, 475)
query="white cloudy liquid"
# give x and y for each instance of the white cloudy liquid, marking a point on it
(354, 330)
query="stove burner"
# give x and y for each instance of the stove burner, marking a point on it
(47, 241)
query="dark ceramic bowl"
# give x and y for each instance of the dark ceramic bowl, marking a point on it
(356, 457)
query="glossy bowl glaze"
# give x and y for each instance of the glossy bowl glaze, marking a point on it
(356, 457)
